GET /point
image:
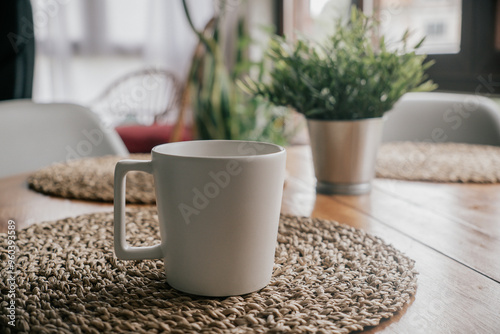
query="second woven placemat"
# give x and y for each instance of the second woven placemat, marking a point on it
(92, 179)
(439, 162)
(328, 278)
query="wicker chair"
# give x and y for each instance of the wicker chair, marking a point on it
(143, 97)
(143, 107)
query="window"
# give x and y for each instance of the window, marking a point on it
(439, 21)
(435, 29)
(462, 36)
(84, 45)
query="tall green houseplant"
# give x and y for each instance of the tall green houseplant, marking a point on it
(221, 109)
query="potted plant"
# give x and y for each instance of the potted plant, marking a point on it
(221, 109)
(343, 86)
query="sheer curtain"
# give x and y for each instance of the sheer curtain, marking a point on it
(82, 45)
(53, 51)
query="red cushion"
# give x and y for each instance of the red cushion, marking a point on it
(142, 138)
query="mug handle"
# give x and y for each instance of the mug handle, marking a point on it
(122, 250)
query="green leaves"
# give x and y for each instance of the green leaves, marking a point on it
(347, 77)
(221, 108)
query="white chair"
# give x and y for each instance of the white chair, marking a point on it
(444, 117)
(33, 135)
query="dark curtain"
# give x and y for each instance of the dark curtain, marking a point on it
(17, 49)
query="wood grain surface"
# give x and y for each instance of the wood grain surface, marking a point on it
(452, 231)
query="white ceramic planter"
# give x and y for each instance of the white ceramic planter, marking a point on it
(344, 154)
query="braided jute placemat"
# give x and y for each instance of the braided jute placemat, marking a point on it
(328, 278)
(92, 179)
(439, 162)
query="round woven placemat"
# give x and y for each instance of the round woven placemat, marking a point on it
(328, 278)
(439, 162)
(92, 179)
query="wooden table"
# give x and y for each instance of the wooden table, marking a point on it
(452, 231)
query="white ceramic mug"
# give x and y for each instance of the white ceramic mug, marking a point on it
(218, 206)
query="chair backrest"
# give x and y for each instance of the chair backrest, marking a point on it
(444, 117)
(33, 135)
(144, 95)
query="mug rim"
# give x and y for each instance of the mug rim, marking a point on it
(279, 149)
